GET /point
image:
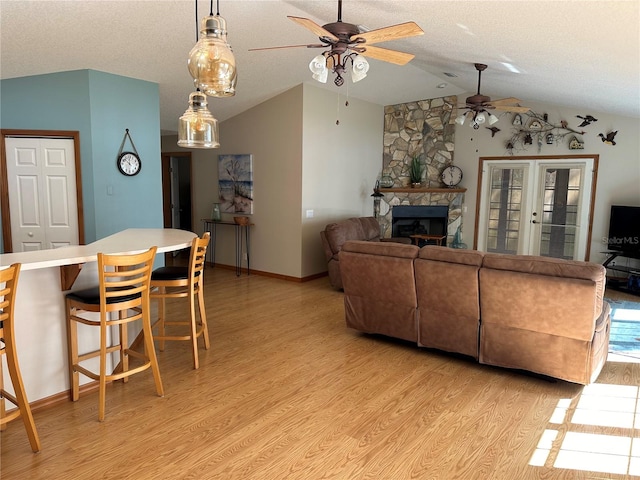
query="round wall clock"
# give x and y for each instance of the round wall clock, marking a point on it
(451, 176)
(129, 163)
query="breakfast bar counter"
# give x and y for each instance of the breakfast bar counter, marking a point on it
(45, 278)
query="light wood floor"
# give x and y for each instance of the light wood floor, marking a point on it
(288, 392)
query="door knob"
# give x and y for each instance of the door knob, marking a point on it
(533, 221)
(30, 234)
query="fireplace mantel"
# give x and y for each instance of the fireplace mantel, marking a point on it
(423, 190)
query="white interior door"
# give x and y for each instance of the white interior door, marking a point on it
(42, 192)
(535, 207)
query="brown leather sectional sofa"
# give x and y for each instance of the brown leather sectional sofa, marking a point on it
(538, 314)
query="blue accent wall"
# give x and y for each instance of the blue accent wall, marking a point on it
(101, 106)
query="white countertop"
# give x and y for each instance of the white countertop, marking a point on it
(132, 240)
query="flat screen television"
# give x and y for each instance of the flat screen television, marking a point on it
(624, 230)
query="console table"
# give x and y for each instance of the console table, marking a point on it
(241, 231)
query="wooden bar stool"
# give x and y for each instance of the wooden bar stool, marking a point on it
(121, 298)
(181, 282)
(8, 285)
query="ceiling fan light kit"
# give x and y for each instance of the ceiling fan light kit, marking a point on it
(347, 43)
(212, 65)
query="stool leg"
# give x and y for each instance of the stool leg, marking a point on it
(3, 411)
(21, 397)
(124, 342)
(102, 397)
(72, 349)
(161, 313)
(203, 318)
(150, 348)
(194, 336)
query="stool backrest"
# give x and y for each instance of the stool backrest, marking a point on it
(197, 260)
(8, 285)
(125, 279)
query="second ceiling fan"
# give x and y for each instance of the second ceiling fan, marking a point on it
(346, 42)
(478, 104)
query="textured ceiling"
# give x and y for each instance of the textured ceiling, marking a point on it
(582, 54)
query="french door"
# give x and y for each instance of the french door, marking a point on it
(536, 206)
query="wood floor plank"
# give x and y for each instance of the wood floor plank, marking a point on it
(287, 391)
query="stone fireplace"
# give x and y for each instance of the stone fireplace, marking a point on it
(424, 129)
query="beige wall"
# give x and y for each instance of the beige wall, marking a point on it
(341, 164)
(301, 161)
(618, 174)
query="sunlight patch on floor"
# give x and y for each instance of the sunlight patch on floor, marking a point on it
(599, 406)
(627, 314)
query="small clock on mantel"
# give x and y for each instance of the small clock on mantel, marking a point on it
(451, 176)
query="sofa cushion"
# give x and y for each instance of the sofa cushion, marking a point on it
(379, 288)
(370, 229)
(340, 232)
(451, 255)
(448, 299)
(388, 249)
(553, 267)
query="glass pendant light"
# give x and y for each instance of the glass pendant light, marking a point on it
(197, 128)
(211, 61)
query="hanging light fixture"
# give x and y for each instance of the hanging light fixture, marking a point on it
(321, 64)
(197, 128)
(478, 118)
(211, 61)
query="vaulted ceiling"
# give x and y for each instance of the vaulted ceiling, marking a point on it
(583, 54)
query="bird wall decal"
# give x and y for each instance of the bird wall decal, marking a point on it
(608, 138)
(494, 130)
(586, 120)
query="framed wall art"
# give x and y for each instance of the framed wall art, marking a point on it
(235, 181)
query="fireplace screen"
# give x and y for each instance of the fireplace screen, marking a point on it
(410, 220)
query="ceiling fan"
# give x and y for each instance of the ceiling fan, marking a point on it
(346, 42)
(478, 104)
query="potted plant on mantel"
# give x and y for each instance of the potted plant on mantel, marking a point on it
(415, 172)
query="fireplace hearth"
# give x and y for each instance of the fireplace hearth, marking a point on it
(407, 220)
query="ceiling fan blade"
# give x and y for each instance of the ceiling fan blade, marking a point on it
(509, 108)
(314, 27)
(386, 55)
(394, 32)
(288, 46)
(503, 101)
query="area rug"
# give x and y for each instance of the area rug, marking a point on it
(625, 328)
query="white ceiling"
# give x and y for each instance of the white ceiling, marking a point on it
(577, 53)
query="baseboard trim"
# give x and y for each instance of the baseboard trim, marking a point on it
(270, 274)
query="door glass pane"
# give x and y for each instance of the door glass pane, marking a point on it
(505, 208)
(560, 212)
